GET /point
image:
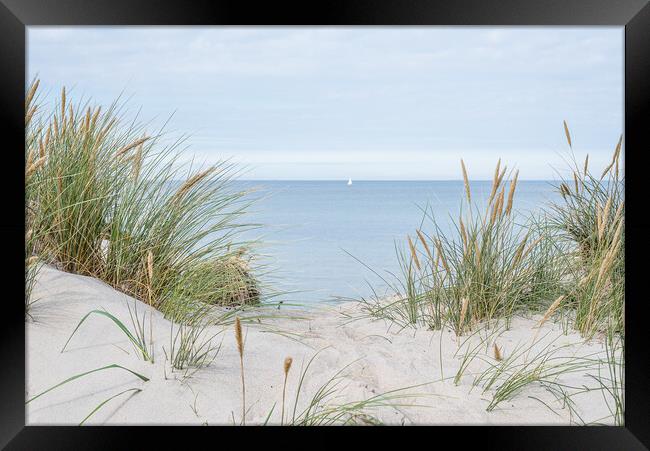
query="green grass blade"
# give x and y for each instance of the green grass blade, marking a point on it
(107, 400)
(266, 421)
(70, 379)
(112, 318)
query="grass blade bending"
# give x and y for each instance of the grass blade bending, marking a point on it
(137, 390)
(70, 379)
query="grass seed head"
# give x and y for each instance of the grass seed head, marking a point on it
(466, 180)
(414, 254)
(239, 337)
(287, 365)
(568, 135)
(511, 193)
(497, 352)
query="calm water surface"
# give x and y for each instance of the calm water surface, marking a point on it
(311, 227)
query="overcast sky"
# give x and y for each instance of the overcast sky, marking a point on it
(367, 103)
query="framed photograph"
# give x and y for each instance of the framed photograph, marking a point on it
(341, 214)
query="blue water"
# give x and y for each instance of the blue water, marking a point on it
(309, 226)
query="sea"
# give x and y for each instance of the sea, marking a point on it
(322, 241)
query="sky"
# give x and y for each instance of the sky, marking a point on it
(373, 103)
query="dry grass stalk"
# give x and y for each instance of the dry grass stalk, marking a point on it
(503, 173)
(240, 349)
(28, 116)
(553, 307)
(414, 254)
(497, 352)
(495, 209)
(150, 295)
(150, 266)
(30, 159)
(41, 148)
(564, 190)
(601, 219)
(189, 183)
(31, 93)
(424, 243)
(619, 211)
(463, 234)
(463, 312)
(568, 135)
(614, 158)
(87, 120)
(93, 121)
(575, 182)
(441, 255)
(531, 247)
(56, 126)
(466, 180)
(550, 311)
(133, 145)
(511, 193)
(617, 151)
(287, 366)
(500, 201)
(32, 168)
(494, 182)
(586, 165)
(520, 250)
(611, 253)
(48, 134)
(63, 106)
(137, 163)
(104, 131)
(70, 116)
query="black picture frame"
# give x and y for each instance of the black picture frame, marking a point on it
(634, 15)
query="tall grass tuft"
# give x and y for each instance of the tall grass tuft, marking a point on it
(109, 200)
(487, 268)
(591, 216)
(191, 345)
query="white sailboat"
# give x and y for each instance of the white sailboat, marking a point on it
(349, 182)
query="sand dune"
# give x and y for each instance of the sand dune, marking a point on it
(381, 358)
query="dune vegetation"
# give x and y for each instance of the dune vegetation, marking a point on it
(106, 199)
(567, 259)
(564, 263)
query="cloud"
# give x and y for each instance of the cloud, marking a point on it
(300, 93)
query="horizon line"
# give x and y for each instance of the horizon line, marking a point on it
(383, 180)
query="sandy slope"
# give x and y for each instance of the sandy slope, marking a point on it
(384, 359)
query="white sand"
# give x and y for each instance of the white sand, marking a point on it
(386, 359)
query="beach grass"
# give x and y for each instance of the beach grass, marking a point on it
(485, 268)
(106, 199)
(591, 216)
(492, 262)
(191, 345)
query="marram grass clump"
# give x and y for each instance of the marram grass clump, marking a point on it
(107, 199)
(493, 263)
(591, 216)
(486, 269)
